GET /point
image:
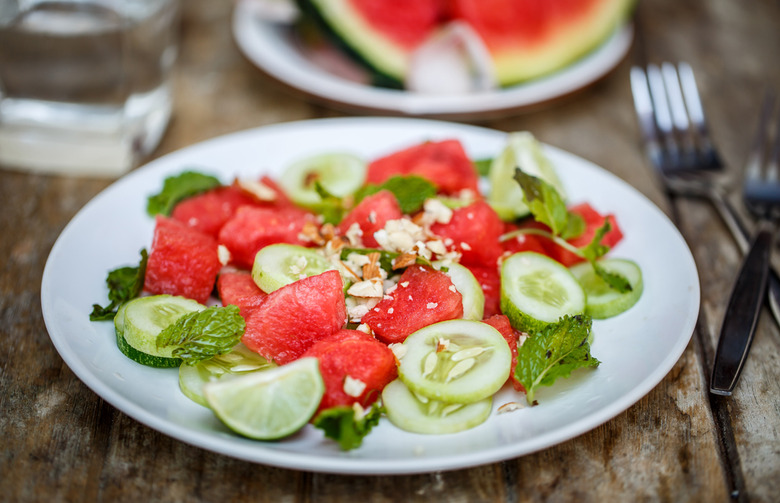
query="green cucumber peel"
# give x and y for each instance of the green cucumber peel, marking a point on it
(201, 335)
(549, 208)
(348, 425)
(554, 352)
(124, 283)
(177, 188)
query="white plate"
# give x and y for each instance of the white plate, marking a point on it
(637, 348)
(272, 49)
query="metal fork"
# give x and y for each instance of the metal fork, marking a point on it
(761, 193)
(678, 144)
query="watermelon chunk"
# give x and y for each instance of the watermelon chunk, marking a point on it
(357, 355)
(501, 323)
(474, 231)
(208, 212)
(371, 214)
(423, 296)
(444, 163)
(252, 228)
(489, 278)
(183, 261)
(294, 317)
(239, 289)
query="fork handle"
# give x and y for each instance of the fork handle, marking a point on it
(739, 323)
(741, 237)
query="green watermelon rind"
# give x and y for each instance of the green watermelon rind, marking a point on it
(341, 26)
(525, 66)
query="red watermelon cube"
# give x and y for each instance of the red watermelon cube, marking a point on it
(355, 367)
(501, 323)
(473, 231)
(209, 211)
(294, 317)
(444, 163)
(253, 228)
(239, 289)
(182, 261)
(423, 296)
(371, 214)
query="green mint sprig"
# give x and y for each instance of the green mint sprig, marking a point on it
(177, 188)
(124, 283)
(347, 426)
(201, 335)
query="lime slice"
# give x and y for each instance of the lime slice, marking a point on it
(536, 290)
(340, 174)
(418, 414)
(605, 302)
(524, 151)
(271, 404)
(236, 363)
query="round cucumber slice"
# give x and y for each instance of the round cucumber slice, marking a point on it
(145, 317)
(340, 174)
(455, 361)
(132, 353)
(470, 290)
(524, 151)
(238, 362)
(271, 404)
(278, 265)
(419, 414)
(602, 301)
(536, 290)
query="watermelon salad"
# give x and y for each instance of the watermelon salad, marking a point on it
(346, 291)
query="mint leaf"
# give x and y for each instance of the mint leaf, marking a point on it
(124, 283)
(410, 191)
(548, 207)
(595, 250)
(203, 334)
(179, 187)
(330, 207)
(482, 166)
(348, 426)
(554, 352)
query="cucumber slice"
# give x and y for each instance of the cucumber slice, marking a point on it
(524, 151)
(602, 301)
(470, 290)
(278, 265)
(271, 404)
(536, 290)
(132, 353)
(419, 414)
(455, 361)
(340, 174)
(145, 317)
(238, 362)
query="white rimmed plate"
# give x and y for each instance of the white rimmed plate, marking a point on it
(272, 48)
(637, 348)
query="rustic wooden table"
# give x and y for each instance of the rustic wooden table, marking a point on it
(63, 442)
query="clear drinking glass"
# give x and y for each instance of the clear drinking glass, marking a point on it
(84, 84)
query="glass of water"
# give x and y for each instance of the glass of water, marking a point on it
(84, 84)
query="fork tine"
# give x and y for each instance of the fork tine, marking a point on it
(755, 162)
(773, 163)
(679, 116)
(663, 118)
(643, 105)
(696, 114)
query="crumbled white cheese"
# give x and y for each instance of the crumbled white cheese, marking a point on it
(465, 246)
(353, 387)
(437, 211)
(429, 305)
(224, 255)
(367, 289)
(258, 189)
(355, 235)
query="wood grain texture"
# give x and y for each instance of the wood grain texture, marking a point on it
(61, 442)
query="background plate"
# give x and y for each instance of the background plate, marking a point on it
(272, 49)
(637, 348)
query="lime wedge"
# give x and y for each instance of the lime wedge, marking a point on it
(524, 151)
(271, 404)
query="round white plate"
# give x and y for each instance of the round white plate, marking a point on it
(271, 47)
(637, 348)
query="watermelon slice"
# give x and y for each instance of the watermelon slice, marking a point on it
(423, 296)
(501, 323)
(530, 38)
(208, 212)
(355, 367)
(473, 231)
(525, 38)
(294, 317)
(183, 261)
